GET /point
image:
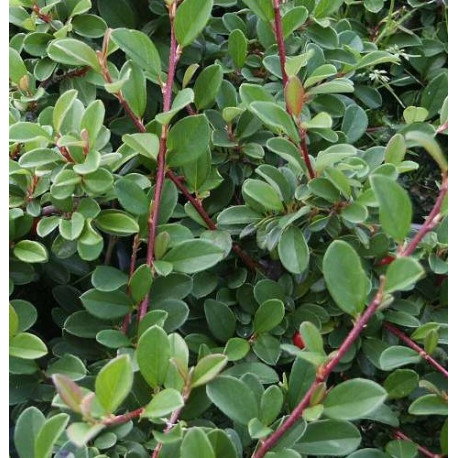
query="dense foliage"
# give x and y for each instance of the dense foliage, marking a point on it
(228, 228)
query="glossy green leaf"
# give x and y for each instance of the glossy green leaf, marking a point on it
(200, 11)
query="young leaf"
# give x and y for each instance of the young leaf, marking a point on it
(207, 369)
(163, 404)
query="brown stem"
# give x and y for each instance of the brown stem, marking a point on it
(305, 152)
(400, 435)
(133, 262)
(160, 174)
(109, 253)
(323, 373)
(44, 17)
(278, 29)
(431, 221)
(410, 343)
(77, 73)
(124, 418)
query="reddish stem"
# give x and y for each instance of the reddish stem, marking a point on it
(160, 174)
(431, 221)
(133, 262)
(323, 373)
(124, 418)
(278, 29)
(44, 17)
(400, 435)
(410, 343)
(305, 152)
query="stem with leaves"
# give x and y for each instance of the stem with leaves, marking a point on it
(324, 371)
(175, 52)
(278, 30)
(410, 343)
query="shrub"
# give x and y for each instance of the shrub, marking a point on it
(228, 228)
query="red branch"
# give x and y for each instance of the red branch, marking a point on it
(124, 418)
(280, 41)
(431, 221)
(44, 17)
(305, 152)
(160, 174)
(323, 372)
(410, 343)
(400, 435)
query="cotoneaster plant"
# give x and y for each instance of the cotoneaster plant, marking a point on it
(228, 228)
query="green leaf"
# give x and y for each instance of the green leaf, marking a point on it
(234, 398)
(345, 277)
(131, 196)
(193, 256)
(188, 139)
(70, 393)
(207, 369)
(375, 58)
(415, 114)
(71, 229)
(354, 123)
(196, 444)
(207, 86)
(106, 305)
(13, 322)
(220, 318)
(430, 404)
(114, 382)
(17, 68)
(153, 353)
(329, 437)
(197, 172)
(293, 250)
(275, 117)
(30, 251)
(287, 151)
(145, 144)
(264, 10)
(402, 449)
(163, 404)
(25, 132)
(395, 207)
(199, 10)
(237, 47)
(268, 315)
(368, 453)
(116, 222)
(398, 356)
(181, 100)
(48, 435)
(401, 383)
(434, 94)
(27, 428)
(68, 365)
(325, 8)
(139, 48)
(107, 278)
(62, 107)
(353, 399)
(69, 51)
(140, 282)
(402, 274)
(27, 346)
(417, 138)
(395, 150)
(262, 194)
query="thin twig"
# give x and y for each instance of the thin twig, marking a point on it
(400, 435)
(175, 52)
(410, 343)
(124, 418)
(431, 221)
